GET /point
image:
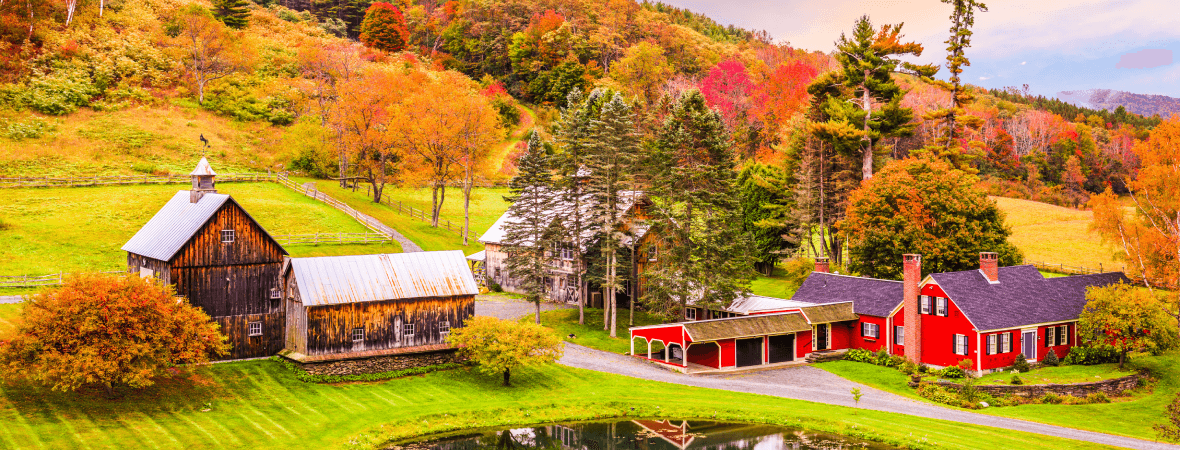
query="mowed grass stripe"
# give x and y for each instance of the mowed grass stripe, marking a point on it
(32, 433)
(159, 429)
(282, 403)
(183, 418)
(143, 437)
(254, 424)
(272, 422)
(298, 397)
(217, 423)
(69, 427)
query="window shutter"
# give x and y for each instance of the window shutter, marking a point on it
(955, 345)
(1067, 334)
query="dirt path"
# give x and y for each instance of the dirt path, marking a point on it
(816, 385)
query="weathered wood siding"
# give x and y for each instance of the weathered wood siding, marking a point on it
(296, 319)
(236, 328)
(329, 328)
(232, 281)
(160, 269)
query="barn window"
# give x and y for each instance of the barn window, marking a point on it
(652, 252)
(1006, 342)
(940, 306)
(690, 314)
(275, 293)
(358, 334)
(444, 328)
(870, 330)
(925, 304)
(254, 328)
(409, 330)
(227, 236)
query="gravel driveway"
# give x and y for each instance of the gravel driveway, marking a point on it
(507, 308)
(816, 385)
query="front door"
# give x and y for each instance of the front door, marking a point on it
(821, 336)
(749, 352)
(1028, 343)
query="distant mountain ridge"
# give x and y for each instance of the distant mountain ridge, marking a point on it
(1108, 99)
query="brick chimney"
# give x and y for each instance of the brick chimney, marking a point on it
(989, 264)
(911, 276)
(202, 181)
(821, 265)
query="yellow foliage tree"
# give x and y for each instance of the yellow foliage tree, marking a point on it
(499, 346)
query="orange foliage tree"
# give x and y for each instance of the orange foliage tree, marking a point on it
(107, 332)
(384, 28)
(362, 115)
(1150, 240)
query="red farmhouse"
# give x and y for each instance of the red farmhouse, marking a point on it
(986, 316)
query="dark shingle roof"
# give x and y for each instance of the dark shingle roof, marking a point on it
(1022, 297)
(746, 326)
(869, 296)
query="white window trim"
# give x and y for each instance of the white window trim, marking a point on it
(1063, 335)
(959, 350)
(896, 331)
(227, 233)
(940, 306)
(870, 330)
(250, 328)
(1050, 336)
(993, 344)
(408, 330)
(444, 328)
(925, 302)
(362, 330)
(690, 313)
(275, 293)
(1006, 342)
(653, 253)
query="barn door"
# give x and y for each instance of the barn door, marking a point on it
(782, 348)
(749, 352)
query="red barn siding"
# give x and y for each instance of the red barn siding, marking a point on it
(728, 353)
(1061, 350)
(898, 320)
(1003, 359)
(670, 334)
(841, 333)
(707, 354)
(938, 331)
(857, 340)
(802, 344)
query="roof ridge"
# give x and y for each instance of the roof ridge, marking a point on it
(861, 278)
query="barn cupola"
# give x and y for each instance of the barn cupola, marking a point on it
(989, 264)
(911, 276)
(202, 181)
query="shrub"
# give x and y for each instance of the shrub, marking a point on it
(1098, 397)
(1089, 356)
(1021, 364)
(384, 28)
(923, 368)
(1051, 359)
(1016, 380)
(937, 394)
(908, 367)
(59, 93)
(882, 358)
(953, 372)
(860, 355)
(1051, 399)
(304, 376)
(494, 286)
(18, 130)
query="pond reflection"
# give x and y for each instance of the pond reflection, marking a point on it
(644, 435)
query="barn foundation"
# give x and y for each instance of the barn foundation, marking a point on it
(373, 364)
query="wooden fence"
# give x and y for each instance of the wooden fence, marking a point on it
(330, 238)
(52, 279)
(415, 213)
(1078, 270)
(364, 219)
(34, 182)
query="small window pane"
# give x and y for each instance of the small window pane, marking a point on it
(899, 335)
(275, 293)
(444, 328)
(409, 330)
(358, 334)
(941, 306)
(227, 236)
(254, 328)
(925, 304)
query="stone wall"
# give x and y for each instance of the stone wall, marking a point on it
(378, 364)
(1110, 387)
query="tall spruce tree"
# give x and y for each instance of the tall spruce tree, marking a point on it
(862, 100)
(767, 208)
(703, 252)
(233, 13)
(573, 135)
(530, 233)
(955, 122)
(610, 165)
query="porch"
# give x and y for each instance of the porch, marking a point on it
(723, 345)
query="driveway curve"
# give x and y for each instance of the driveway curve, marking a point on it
(816, 385)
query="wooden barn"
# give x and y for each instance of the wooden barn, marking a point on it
(365, 306)
(220, 259)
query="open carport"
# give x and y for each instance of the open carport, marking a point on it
(723, 344)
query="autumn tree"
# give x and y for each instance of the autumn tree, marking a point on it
(923, 206)
(1150, 239)
(205, 45)
(363, 114)
(954, 120)
(384, 28)
(610, 183)
(233, 13)
(107, 332)
(326, 67)
(862, 101)
(1127, 318)
(501, 346)
(703, 252)
(642, 69)
(530, 232)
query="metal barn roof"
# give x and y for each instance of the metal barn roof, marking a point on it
(335, 280)
(203, 168)
(563, 211)
(173, 226)
(757, 303)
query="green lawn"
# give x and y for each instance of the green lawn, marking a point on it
(487, 204)
(82, 229)
(1130, 416)
(592, 334)
(774, 286)
(259, 405)
(8, 314)
(1060, 374)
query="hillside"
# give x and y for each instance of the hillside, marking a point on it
(1056, 235)
(1108, 99)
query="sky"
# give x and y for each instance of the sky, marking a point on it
(1051, 45)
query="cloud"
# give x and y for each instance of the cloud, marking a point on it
(1023, 63)
(984, 78)
(1145, 59)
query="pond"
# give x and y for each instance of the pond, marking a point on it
(653, 434)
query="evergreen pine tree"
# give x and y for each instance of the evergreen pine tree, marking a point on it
(232, 13)
(573, 134)
(955, 122)
(610, 166)
(767, 209)
(530, 232)
(702, 250)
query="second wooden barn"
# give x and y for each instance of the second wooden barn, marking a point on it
(375, 312)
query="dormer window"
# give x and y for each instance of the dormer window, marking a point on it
(227, 236)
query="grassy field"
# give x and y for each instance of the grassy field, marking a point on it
(487, 204)
(1060, 374)
(1133, 416)
(259, 404)
(775, 285)
(1056, 235)
(591, 334)
(8, 315)
(82, 229)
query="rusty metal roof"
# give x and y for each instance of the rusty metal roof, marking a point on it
(737, 327)
(832, 312)
(334, 280)
(564, 212)
(203, 168)
(173, 226)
